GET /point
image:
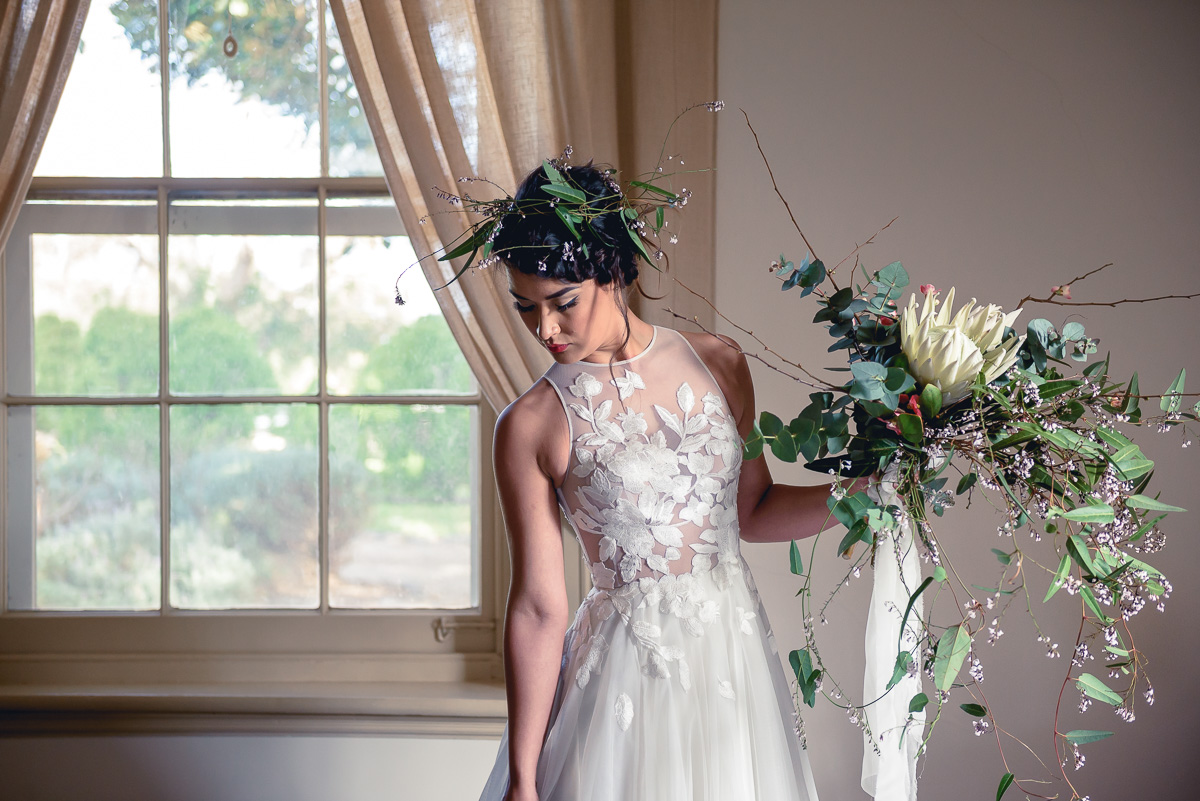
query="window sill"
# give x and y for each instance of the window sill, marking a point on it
(446, 709)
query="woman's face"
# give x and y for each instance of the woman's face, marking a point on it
(575, 322)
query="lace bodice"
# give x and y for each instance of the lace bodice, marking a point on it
(651, 485)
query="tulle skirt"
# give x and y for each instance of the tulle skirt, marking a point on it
(670, 690)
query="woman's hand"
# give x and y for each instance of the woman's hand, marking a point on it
(521, 794)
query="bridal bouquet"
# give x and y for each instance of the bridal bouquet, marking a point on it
(945, 405)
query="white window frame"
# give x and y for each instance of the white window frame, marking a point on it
(338, 670)
(61, 650)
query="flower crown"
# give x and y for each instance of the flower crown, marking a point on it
(642, 208)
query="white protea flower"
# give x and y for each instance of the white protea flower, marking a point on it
(949, 352)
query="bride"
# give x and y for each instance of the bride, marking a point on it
(668, 685)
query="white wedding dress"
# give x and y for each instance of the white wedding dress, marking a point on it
(671, 687)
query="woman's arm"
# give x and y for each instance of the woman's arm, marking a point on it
(767, 512)
(536, 618)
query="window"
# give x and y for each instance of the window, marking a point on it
(225, 446)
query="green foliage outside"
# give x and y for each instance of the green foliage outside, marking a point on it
(244, 489)
(277, 59)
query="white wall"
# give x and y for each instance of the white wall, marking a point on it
(1021, 143)
(243, 768)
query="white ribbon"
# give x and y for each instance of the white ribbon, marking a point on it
(891, 774)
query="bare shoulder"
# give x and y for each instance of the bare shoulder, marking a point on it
(718, 351)
(534, 427)
(724, 358)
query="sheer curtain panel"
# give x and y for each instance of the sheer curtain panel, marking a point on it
(456, 88)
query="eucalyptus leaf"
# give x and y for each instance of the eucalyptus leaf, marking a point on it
(657, 190)
(1078, 550)
(974, 710)
(473, 242)
(951, 651)
(965, 483)
(553, 174)
(1040, 331)
(1171, 400)
(752, 448)
(1052, 389)
(1072, 331)
(641, 246)
(912, 599)
(918, 702)
(1151, 504)
(568, 220)
(770, 424)
(911, 427)
(784, 446)
(1092, 686)
(899, 669)
(1005, 782)
(568, 193)
(869, 378)
(891, 278)
(1131, 404)
(931, 400)
(1064, 567)
(1089, 513)
(811, 273)
(1084, 736)
(1003, 557)
(797, 564)
(858, 531)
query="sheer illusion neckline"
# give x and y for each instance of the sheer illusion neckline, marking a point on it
(645, 350)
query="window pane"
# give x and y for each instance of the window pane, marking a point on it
(243, 314)
(351, 146)
(400, 506)
(96, 501)
(244, 506)
(116, 66)
(252, 114)
(95, 305)
(376, 347)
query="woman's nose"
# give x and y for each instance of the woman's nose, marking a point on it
(547, 327)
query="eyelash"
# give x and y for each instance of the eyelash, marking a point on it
(561, 308)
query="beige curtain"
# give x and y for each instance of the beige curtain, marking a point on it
(38, 39)
(458, 88)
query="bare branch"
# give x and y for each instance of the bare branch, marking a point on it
(1110, 303)
(767, 348)
(1053, 297)
(864, 244)
(696, 322)
(771, 173)
(1050, 298)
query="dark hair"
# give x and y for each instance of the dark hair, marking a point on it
(537, 242)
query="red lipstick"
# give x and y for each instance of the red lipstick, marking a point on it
(556, 348)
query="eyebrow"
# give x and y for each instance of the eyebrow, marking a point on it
(559, 293)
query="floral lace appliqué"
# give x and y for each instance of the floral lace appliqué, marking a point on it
(654, 490)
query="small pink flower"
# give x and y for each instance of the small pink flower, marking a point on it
(914, 404)
(1064, 290)
(891, 424)
(927, 288)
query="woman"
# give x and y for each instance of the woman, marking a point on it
(668, 684)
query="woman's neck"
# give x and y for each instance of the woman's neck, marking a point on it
(618, 348)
